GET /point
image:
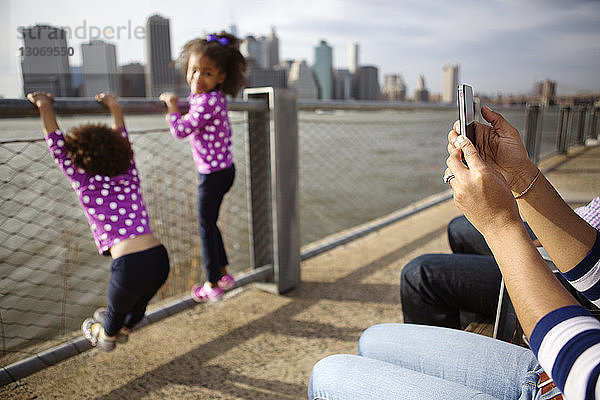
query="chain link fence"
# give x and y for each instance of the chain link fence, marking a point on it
(51, 274)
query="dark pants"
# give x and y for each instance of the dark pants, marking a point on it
(436, 288)
(135, 278)
(211, 190)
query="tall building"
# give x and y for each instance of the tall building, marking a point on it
(353, 58)
(42, 71)
(133, 80)
(342, 84)
(301, 78)
(323, 69)
(449, 83)
(100, 72)
(160, 76)
(394, 88)
(366, 83)
(546, 91)
(273, 48)
(421, 92)
(256, 51)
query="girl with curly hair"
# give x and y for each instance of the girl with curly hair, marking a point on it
(98, 161)
(214, 68)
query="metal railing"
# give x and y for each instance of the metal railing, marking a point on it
(323, 166)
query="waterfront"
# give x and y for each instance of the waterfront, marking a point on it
(354, 167)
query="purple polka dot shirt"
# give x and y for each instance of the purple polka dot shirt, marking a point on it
(113, 205)
(209, 131)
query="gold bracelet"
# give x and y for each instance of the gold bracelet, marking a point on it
(524, 192)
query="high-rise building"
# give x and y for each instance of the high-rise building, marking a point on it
(394, 88)
(273, 48)
(323, 69)
(160, 76)
(366, 83)
(421, 92)
(353, 57)
(342, 84)
(256, 51)
(100, 72)
(301, 78)
(133, 81)
(43, 71)
(449, 83)
(546, 91)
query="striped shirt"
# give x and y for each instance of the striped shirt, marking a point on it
(567, 340)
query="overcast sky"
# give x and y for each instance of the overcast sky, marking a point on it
(501, 45)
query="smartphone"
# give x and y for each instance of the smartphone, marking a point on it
(466, 111)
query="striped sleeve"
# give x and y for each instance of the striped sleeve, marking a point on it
(585, 277)
(567, 344)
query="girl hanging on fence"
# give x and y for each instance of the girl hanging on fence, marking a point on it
(214, 67)
(99, 163)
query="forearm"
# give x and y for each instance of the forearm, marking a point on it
(533, 289)
(566, 237)
(48, 118)
(117, 115)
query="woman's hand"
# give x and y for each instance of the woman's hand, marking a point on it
(480, 191)
(501, 148)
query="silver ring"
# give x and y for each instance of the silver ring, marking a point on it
(448, 178)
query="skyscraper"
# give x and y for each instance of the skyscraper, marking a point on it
(342, 84)
(449, 83)
(301, 78)
(273, 46)
(366, 83)
(353, 58)
(421, 92)
(133, 83)
(394, 88)
(256, 51)
(100, 72)
(159, 73)
(42, 70)
(323, 69)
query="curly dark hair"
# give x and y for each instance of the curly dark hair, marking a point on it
(99, 150)
(227, 57)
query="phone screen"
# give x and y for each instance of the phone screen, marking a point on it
(466, 111)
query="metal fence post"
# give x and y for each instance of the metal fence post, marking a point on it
(532, 132)
(280, 133)
(593, 127)
(563, 127)
(580, 130)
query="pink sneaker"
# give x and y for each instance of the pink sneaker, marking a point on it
(227, 282)
(206, 293)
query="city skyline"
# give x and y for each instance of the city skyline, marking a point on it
(544, 40)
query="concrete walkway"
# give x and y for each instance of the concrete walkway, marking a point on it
(255, 344)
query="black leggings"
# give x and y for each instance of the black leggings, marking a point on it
(135, 279)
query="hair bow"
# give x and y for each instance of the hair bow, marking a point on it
(222, 40)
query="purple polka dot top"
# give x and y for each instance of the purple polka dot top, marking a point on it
(209, 131)
(113, 205)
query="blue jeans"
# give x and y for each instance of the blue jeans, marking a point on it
(134, 280)
(437, 289)
(403, 361)
(211, 190)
